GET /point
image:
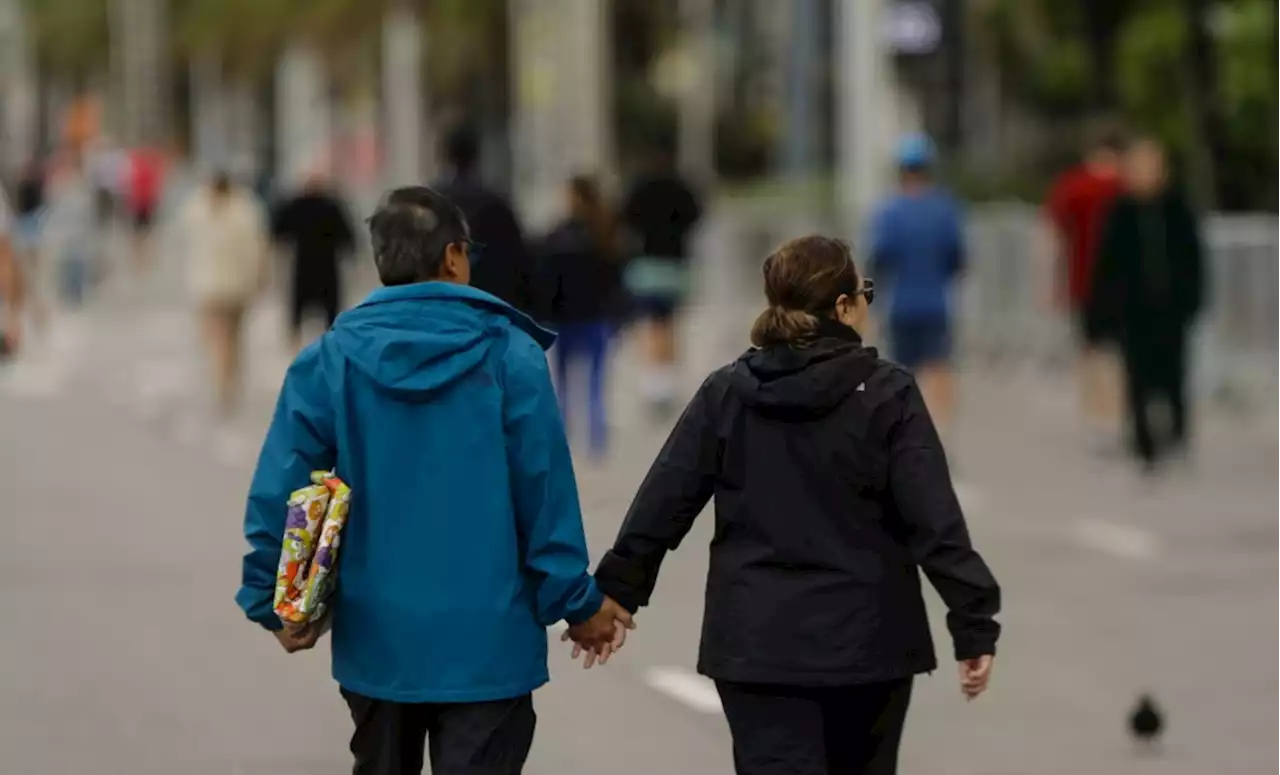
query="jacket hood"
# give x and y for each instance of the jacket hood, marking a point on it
(802, 382)
(414, 340)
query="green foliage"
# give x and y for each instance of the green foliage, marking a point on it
(1042, 50)
(642, 116)
(1153, 73)
(464, 42)
(70, 36)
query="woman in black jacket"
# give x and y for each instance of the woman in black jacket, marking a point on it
(831, 491)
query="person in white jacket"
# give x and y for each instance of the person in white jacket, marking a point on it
(226, 235)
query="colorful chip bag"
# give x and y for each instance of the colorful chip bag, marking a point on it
(309, 551)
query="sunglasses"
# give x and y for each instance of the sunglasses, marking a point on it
(868, 290)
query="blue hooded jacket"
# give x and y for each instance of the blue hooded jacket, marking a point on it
(465, 540)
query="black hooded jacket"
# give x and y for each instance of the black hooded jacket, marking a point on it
(831, 490)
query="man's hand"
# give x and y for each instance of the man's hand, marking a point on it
(974, 675)
(299, 637)
(602, 634)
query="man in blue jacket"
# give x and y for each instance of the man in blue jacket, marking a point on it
(433, 401)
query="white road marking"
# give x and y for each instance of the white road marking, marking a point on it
(685, 687)
(1125, 541)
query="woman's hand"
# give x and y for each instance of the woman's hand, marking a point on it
(601, 635)
(974, 675)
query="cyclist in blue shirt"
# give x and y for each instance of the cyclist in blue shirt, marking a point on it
(917, 250)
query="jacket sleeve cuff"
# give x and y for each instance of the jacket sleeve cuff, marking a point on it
(589, 604)
(623, 581)
(257, 608)
(972, 648)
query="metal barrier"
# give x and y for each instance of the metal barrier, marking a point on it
(1005, 317)
(1004, 310)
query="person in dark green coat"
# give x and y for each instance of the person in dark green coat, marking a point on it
(1149, 287)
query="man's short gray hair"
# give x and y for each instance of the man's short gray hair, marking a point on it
(410, 231)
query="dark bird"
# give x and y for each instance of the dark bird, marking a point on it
(1146, 723)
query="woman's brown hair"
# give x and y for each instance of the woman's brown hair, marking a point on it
(591, 207)
(802, 280)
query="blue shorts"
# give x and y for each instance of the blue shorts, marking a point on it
(920, 342)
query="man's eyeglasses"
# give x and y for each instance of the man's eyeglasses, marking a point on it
(868, 290)
(475, 250)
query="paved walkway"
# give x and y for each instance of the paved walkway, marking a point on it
(125, 653)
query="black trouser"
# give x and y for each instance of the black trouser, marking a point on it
(852, 730)
(309, 295)
(1156, 372)
(466, 738)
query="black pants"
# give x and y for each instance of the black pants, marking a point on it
(1156, 373)
(466, 738)
(321, 292)
(853, 730)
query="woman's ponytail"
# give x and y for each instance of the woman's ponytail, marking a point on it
(778, 325)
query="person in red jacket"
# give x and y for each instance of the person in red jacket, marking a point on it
(1077, 209)
(143, 188)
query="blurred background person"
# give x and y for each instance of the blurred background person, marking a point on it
(315, 226)
(226, 251)
(71, 235)
(578, 261)
(11, 285)
(501, 261)
(30, 202)
(1150, 287)
(25, 235)
(108, 170)
(832, 494)
(917, 252)
(1077, 209)
(143, 186)
(660, 212)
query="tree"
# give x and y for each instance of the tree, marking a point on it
(70, 36)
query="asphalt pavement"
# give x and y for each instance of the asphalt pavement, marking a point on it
(123, 652)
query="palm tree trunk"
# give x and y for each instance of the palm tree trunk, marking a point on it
(1206, 138)
(1102, 26)
(1275, 103)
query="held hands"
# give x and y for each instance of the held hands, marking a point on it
(601, 635)
(974, 675)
